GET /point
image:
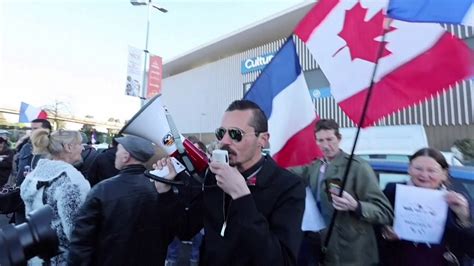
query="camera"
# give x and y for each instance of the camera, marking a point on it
(33, 238)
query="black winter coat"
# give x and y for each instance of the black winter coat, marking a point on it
(102, 167)
(263, 228)
(123, 222)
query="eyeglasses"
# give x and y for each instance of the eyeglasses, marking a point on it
(234, 133)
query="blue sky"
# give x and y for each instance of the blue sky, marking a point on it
(75, 51)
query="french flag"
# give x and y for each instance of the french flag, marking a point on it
(439, 11)
(29, 113)
(282, 93)
(415, 60)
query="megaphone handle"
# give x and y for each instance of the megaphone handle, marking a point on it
(190, 167)
(180, 147)
(187, 162)
(166, 181)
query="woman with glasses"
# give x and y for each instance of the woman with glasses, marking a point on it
(55, 182)
(428, 169)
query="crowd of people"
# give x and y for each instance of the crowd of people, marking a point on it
(246, 212)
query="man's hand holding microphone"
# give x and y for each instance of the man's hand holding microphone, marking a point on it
(228, 178)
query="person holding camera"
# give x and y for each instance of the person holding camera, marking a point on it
(251, 208)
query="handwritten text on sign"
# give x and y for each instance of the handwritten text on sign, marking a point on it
(420, 214)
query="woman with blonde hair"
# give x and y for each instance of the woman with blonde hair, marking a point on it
(55, 182)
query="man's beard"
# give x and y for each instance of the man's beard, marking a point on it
(230, 152)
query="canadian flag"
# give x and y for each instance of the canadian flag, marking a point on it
(416, 60)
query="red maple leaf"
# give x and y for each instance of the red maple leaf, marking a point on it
(360, 35)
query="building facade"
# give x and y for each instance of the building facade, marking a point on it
(199, 85)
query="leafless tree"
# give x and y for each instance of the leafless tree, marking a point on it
(58, 109)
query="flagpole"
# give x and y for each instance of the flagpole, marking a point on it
(359, 125)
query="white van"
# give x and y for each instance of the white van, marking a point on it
(395, 143)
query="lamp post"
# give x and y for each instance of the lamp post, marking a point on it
(163, 10)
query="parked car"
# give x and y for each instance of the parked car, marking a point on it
(385, 140)
(403, 156)
(393, 143)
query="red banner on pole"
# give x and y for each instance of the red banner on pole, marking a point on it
(154, 76)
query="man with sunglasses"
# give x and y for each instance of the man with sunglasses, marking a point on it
(251, 209)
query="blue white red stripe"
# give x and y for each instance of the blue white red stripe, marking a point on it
(283, 95)
(439, 11)
(29, 113)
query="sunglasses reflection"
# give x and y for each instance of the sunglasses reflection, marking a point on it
(236, 134)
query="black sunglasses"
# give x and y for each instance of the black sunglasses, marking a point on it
(234, 133)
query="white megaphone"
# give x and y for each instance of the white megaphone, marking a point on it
(153, 122)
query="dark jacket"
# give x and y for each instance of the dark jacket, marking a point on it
(88, 155)
(263, 228)
(123, 223)
(103, 166)
(5, 164)
(24, 158)
(458, 240)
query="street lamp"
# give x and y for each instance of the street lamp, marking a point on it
(150, 5)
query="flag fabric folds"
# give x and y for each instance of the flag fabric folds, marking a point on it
(417, 60)
(283, 95)
(29, 113)
(439, 11)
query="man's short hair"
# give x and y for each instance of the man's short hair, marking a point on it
(328, 124)
(259, 120)
(44, 123)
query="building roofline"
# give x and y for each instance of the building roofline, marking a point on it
(275, 27)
